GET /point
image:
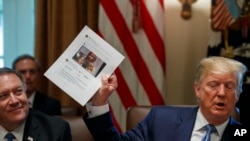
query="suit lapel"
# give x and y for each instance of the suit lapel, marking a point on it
(228, 130)
(31, 130)
(185, 124)
(37, 100)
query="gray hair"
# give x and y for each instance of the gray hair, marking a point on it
(6, 70)
(25, 56)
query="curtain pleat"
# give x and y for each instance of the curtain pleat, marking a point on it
(57, 23)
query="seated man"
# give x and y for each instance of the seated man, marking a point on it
(217, 86)
(30, 70)
(18, 122)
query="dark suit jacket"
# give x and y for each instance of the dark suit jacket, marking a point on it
(42, 127)
(163, 123)
(47, 104)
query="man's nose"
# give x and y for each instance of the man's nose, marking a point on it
(13, 98)
(221, 90)
(26, 74)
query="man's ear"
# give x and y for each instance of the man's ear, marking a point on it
(237, 96)
(197, 89)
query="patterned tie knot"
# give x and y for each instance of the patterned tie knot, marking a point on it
(209, 130)
(9, 137)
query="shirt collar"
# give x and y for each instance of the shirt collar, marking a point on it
(31, 99)
(201, 122)
(18, 132)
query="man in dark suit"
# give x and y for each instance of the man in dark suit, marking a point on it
(217, 86)
(30, 69)
(18, 121)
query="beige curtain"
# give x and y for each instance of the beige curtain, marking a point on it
(57, 24)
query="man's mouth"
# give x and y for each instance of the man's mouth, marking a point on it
(15, 109)
(28, 83)
(220, 104)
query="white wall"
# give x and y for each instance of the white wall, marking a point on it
(186, 44)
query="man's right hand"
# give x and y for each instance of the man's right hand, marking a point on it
(109, 84)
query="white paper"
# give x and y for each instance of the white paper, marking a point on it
(73, 78)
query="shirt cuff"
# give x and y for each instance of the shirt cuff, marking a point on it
(94, 111)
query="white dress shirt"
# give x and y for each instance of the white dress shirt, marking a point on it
(198, 131)
(18, 133)
(94, 111)
(31, 99)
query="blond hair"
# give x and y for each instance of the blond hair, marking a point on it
(221, 65)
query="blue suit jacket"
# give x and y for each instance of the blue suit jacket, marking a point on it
(163, 123)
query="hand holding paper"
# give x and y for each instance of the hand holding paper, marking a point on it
(79, 69)
(109, 84)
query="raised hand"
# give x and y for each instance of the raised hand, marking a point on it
(109, 84)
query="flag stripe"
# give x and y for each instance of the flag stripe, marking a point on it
(127, 72)
(128, 98)
(222, 15)
(134, 55)
(142, 42)
(141, 76)
(105, 27)
(124, 87)
(162, 3)
(153, 35)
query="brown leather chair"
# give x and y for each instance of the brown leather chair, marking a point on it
(136, 113)
(79, 130)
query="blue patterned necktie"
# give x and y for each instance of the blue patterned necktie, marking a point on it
(9, 137)
(209, 130)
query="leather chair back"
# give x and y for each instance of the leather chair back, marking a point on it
(79, 130)
(135, 114)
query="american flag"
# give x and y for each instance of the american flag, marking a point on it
(224, 13)
(135, 28)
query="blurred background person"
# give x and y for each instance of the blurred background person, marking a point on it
(30, 70)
